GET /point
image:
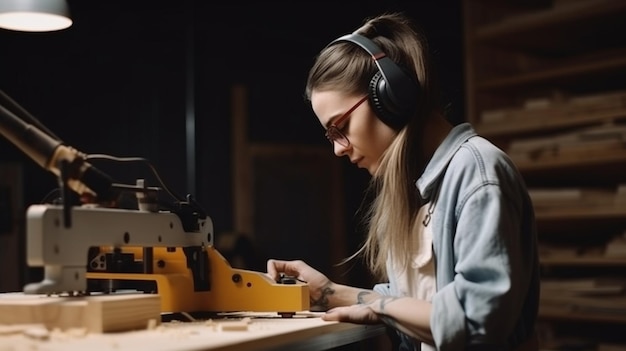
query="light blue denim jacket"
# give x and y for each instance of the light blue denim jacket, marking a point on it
(485, 247)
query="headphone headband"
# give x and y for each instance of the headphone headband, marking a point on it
(393, 93)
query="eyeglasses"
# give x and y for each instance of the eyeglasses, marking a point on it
(333, 134)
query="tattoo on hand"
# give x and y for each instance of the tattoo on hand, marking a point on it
(322, 301)
(360, 297)
(384, 301)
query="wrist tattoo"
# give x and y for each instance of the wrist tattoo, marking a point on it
(384, 301)
(322, 303)
(360, 297)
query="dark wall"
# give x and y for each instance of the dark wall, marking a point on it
(118, 81)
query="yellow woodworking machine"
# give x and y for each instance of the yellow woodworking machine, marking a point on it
(228, 289)
(107, 249)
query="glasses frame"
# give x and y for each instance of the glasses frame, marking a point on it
(333, 134)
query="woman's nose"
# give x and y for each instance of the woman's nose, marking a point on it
(339, 149)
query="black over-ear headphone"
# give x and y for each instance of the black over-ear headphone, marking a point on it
(392, 93)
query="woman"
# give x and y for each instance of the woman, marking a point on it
(451, 227)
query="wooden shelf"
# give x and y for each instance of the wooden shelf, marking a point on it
(557, 30)
(585, 159)
(542, 124)
(578, 174)
(582, 213)
(573, 314)
(562, 75)
(595, 261)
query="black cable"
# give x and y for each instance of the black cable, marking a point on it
(140, 160)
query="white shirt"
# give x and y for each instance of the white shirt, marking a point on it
(418, 281)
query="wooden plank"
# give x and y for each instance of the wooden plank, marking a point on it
(97, 314)
(551, 21)
(580, 70)
(121, 312)
(302, 332)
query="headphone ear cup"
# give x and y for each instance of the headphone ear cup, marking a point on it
(393, 107)
(382, 104)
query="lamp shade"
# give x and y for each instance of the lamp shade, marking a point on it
(34, 15)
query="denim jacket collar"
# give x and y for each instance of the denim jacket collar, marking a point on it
(442, 156)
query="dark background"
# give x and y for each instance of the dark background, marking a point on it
(119, 80)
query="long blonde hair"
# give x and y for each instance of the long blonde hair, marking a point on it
(392, 214)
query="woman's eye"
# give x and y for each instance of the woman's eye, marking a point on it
(344, 127)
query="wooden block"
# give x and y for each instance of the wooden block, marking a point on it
(98, 313)
(61, 312)
(37, 333)
(15, 328)
(241, 325)
(122, 312)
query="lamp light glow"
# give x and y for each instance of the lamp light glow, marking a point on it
(34, 15)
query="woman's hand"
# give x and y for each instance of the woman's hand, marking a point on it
(320, 287)
(361, 314)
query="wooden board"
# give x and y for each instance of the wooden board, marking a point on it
(303, 332)
(96, 313)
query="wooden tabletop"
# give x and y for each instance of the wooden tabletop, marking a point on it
(242, 332)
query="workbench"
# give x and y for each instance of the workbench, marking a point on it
(262, 332)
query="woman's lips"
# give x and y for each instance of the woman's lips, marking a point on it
(357, 161)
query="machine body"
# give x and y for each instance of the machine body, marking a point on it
(108, 249)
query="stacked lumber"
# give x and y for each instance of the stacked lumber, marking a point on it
(96, 313)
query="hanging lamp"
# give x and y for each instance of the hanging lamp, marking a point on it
(34, 15)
